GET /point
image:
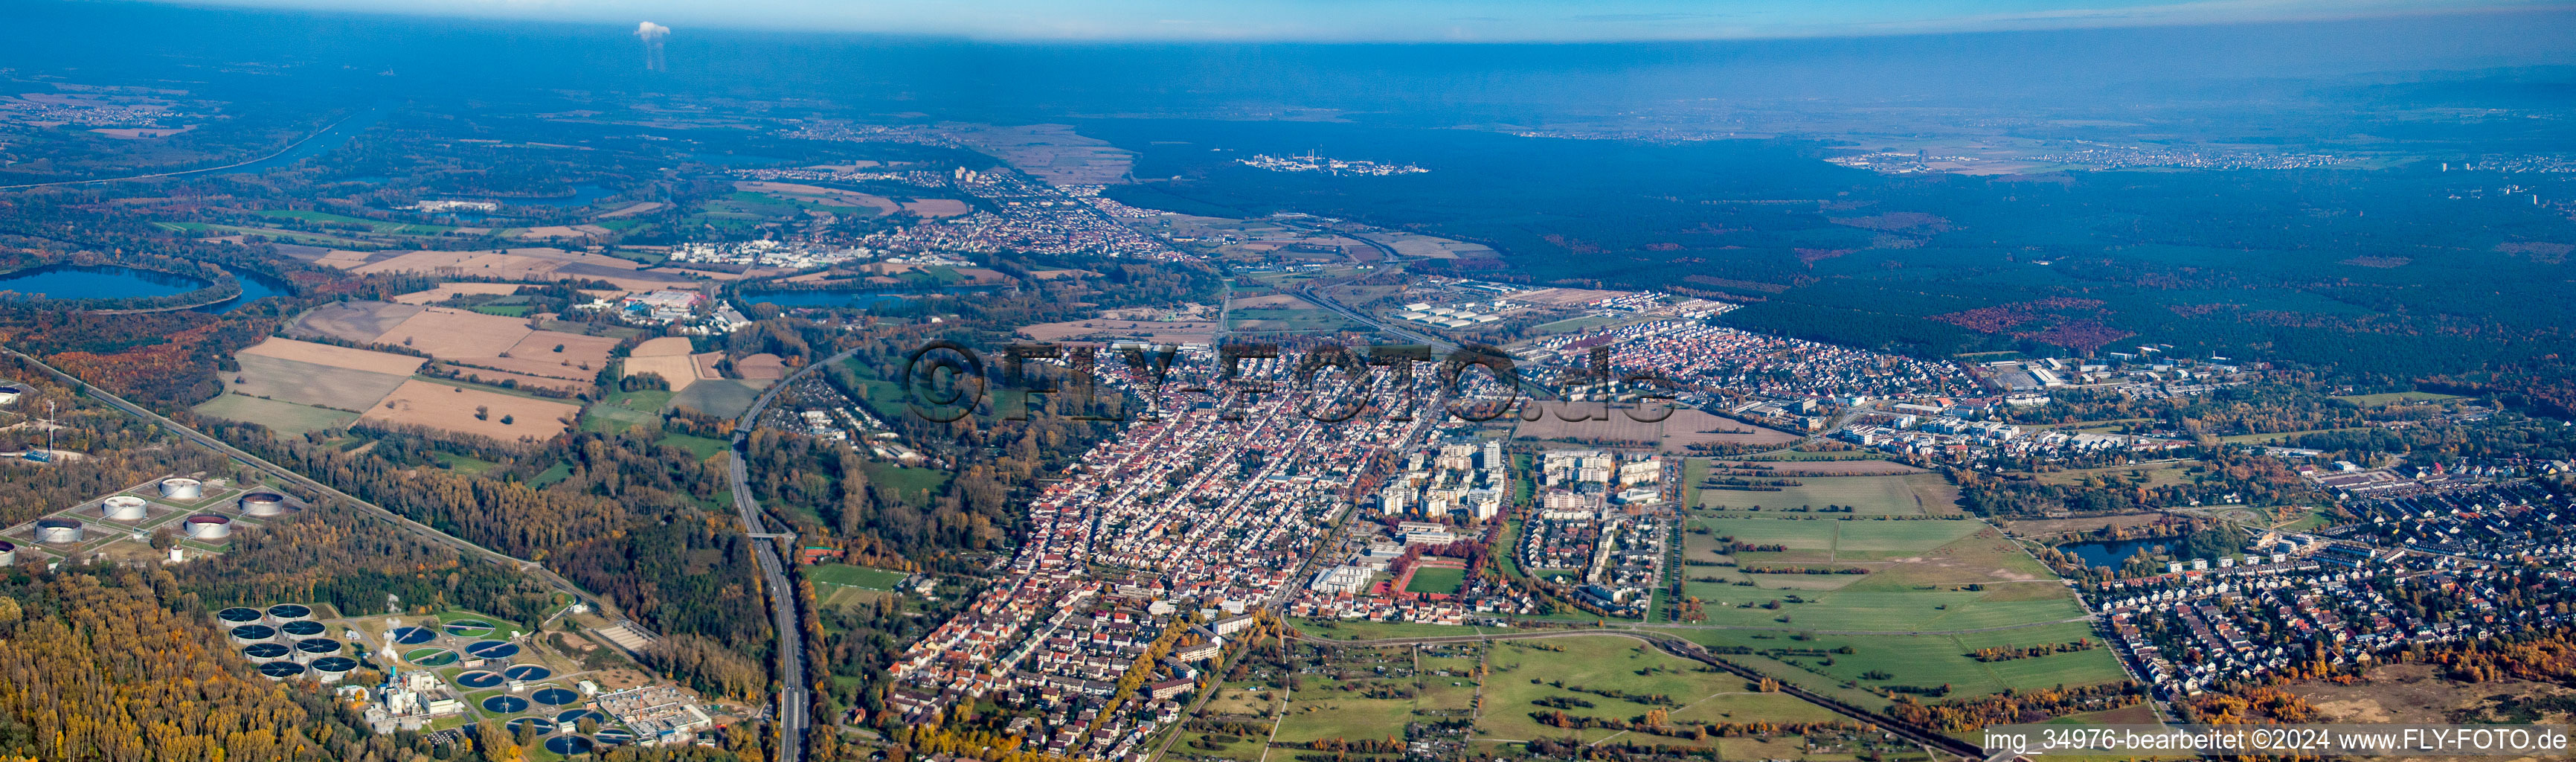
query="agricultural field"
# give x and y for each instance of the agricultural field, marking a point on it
(1900, 495)
(378, 226)
(667, 357)
(1267, 319)
(307, 383)
(1920, 575)
(298, 386)
(719, 396)
(2391, 398)
(1573, 671)
(1356, 693)
(503, 417)
(622, 409)
(1814, 660)
(2161, 474)
(1679, 428)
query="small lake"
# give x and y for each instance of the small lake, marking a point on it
(338, 135)
(846, 298)
(2111, 554)
(65, 281)
(254, 288)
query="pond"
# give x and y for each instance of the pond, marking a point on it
(67, 281)
(254, 288)
(2112, 553)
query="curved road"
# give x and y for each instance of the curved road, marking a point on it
(793, 703)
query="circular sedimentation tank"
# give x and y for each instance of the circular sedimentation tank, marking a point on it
(411, 636)
(58, 531)
(332, 668)
(309, 649)
(303, 628)
(182, 488)
(254, 633)
(289, 612)
(479, 679)
(492, 649)
(505, 705)
(263, 503)
(555, 696)
(569, 745)
(542, 725)
(527, 672)
(280, 670)
(209, 526)
(266, 651)
(238, 615)
(124, 508)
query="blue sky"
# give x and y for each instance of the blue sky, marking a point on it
(1410, 20)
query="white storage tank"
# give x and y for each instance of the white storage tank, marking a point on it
(209, 526)
(263, 503)
(124, 508)
(182, 488)
(58, 531)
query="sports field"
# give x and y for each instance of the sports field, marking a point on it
(1436, 580)
(841, 586)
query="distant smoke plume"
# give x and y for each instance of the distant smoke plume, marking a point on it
(652, 34)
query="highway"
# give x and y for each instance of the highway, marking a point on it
(531, 568)
(793, 701)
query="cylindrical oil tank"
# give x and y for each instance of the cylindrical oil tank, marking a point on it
(266, 651)
(8, 553)
(280, 670)
(209, 526)
(254, 633)
(289, 612)
(58, 531)
(263, 503)
(124, 508)
(182, 488)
